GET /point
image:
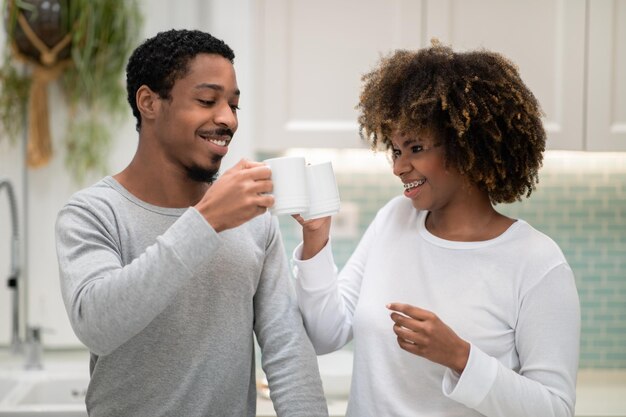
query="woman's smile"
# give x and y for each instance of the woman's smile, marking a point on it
(412, 189)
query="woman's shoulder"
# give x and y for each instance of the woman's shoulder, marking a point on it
(398, 204)
(536, 238)
(397, 210)
(537, 246)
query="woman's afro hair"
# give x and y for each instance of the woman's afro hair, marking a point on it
(480, 110)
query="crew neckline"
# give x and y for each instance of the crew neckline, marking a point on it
(454, 244)
(170, 211)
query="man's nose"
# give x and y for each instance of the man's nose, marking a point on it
(226, 117)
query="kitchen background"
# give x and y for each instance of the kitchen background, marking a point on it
(299, 65)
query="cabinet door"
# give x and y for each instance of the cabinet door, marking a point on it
(545, 38)
(606, 127)
(311, 55)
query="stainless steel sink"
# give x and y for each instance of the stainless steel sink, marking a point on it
(44, 393)
(58, 391)
(7, 384)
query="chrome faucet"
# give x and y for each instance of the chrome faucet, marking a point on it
(14, 273)
(33, 348)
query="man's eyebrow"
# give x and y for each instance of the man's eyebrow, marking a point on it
(215, 87)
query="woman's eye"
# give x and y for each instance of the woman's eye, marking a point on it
(416, 148)
(207, 102)
(234, 107)
(395, 153)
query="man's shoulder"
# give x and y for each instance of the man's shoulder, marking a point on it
(95, 190)
(98, 195)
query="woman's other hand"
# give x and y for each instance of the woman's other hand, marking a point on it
(422, 333)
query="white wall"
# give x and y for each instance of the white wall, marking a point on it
(48, 188)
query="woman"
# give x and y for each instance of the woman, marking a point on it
(454, 308)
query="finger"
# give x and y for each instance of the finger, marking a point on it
(298, 218)
(407, 322)
(264, 200)
(411, 311)
(262, 186)
(242, 165)
(410, 335)
(247, 163)
(259, 172)
(404, 333)
(410, 347)
(319, 222)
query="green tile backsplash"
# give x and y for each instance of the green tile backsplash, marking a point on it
(580, 202)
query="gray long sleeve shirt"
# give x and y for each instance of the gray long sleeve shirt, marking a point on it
(168, 309)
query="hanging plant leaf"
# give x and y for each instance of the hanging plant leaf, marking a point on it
(86, 43)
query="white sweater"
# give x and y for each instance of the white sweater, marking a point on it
(513, 298)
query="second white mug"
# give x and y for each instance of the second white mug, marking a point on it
(323, 191)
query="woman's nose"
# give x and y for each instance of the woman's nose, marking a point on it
(400, 166)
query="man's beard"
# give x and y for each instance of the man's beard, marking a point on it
(199, 174)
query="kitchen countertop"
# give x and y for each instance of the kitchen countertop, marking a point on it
(336, 407)
(599, 392)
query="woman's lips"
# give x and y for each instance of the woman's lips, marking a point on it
(412, 189)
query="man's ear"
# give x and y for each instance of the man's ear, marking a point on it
(148, 102)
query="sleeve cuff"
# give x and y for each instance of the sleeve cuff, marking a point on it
(317, 273)
(472, 386)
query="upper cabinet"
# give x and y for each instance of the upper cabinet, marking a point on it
(311, 56)
(606, 80)
(546, 39)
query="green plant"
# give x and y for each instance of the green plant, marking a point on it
(14, 86)
(13, 97)
(101, 35)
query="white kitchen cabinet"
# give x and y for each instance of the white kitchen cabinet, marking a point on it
(311, 56)
(606, 85)
(545, 38)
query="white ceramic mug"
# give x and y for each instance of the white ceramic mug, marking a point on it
(289, 177)
(323, 191)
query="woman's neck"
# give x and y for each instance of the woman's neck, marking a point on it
(472, 221)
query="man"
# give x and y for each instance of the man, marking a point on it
(166, 272)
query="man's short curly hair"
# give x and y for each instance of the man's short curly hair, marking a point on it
(161, 60)
(485, 117)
